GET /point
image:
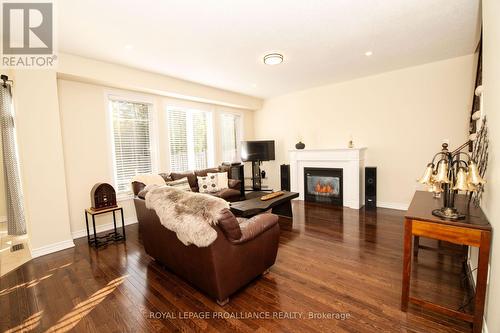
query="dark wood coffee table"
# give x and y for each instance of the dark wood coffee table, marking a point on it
(280, 205)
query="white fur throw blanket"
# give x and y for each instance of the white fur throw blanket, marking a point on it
(190, 215)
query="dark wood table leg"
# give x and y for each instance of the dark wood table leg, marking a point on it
(482, 277)
(416, 245)
(114, 221)
(96, 242)
(283, 209)
(87, 224)
(123, 223)
(407, 245)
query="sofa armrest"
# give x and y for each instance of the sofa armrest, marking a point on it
(137, 187)
(253, 227)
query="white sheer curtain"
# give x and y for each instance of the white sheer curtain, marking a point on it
(16, 224)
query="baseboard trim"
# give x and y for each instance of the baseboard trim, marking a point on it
(381, 204)
(103, 227)
(51, 248)
(393, 205)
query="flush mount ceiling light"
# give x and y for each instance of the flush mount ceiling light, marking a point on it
(273, 59)
(368, 53)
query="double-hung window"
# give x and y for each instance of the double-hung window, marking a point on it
(132, 143)
(230, 137)
(190, 136)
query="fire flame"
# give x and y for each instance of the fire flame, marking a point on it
(320, 188)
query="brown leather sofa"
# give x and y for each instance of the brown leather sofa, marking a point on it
(231, 194)
(242, 251)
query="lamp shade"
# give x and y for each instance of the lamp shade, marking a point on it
(442, 172)
(474, 176)
(461, 184)
(472, 187)
(426, 178)
(435, 188)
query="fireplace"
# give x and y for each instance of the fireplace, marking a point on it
(323, 185)
(350, 160)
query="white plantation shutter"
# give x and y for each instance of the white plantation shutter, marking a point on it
(131, 141)
(200, 142)
(230, 136)
(178, 140)
(189, 136)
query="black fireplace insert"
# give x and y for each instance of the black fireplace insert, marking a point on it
(323, 185)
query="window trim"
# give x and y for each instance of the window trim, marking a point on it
(235, 112)
(116, 95)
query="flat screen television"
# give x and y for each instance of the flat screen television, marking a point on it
(257, 150)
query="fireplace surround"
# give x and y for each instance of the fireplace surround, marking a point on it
(324, 185)
(350, 160)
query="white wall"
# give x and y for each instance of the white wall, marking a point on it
(491, 104)
(86, 139)
(41, 160)
(118, 76)
(401, 116)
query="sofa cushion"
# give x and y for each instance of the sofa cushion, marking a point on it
(148, 179)
(222, 181)
(227, 194)
(190, 176)
(229, 225)
(208, 184)
(181, 184)
(234, 184)
(166, 177)
(137, 187)
(225, 168)
(204, 172)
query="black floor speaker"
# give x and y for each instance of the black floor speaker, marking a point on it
(238, 172)
(370, 187)
(285, 177)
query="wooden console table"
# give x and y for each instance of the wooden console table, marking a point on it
(475, 231)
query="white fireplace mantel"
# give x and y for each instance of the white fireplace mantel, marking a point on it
(351, 160)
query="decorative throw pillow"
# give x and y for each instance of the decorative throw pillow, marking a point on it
(208, 184)
(181, 184)
(222, 181)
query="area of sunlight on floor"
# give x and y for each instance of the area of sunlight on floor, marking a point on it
(10, 260)
(79, 311)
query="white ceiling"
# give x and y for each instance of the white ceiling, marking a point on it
(221, 42)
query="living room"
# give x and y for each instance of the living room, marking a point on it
(116, 130)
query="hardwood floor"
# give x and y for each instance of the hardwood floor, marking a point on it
(334, 262)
